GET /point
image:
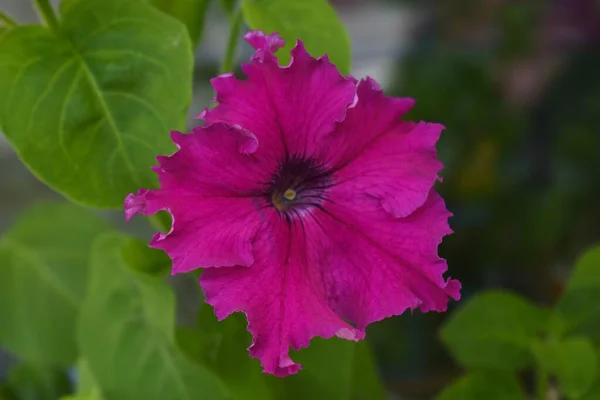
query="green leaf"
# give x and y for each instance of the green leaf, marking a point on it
(43, 276)
(221, 346)
(366, 383)
(29, 382)
(228, 6)
(88, 108)
(6, 392)
(580, 305)
(573, 361)
(6, 22)
(191, 12)
(140, 257)
(330, 369)
(488, 385)
(593, 393)
(85, 380)
(126, 333)
(312, 21)
(87, 389)
(93, 395)
(161, 221)
(494, 329)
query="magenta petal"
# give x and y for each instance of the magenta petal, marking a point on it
(289, 109)
(282, 295)
(209, 186)
(396, 172)
(373, 116)
(206, 231)
(396, 268)
(135, 204)
(381, 160)
(315, 197)
(210, 233)
(265, 45)
(213, 161)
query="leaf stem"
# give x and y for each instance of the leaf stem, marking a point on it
(541, 384)
(8, 21)
(47, 13)
(234, 32)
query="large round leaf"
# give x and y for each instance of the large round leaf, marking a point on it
(88, 108)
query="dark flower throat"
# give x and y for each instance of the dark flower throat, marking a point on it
(299, 183)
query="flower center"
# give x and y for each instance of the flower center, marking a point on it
(289, 194)
(298, 183)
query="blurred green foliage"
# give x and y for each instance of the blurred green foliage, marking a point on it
(502, 333)
(520, 101)
(519, 176)
(86, 111)
(483, 384)
(494, 330)
(126, 332)
(34, 382)
(43, 277)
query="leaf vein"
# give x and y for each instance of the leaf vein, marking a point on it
(110, 119)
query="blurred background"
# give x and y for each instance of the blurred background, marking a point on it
(517, 84)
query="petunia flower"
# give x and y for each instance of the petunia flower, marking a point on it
(307, 201)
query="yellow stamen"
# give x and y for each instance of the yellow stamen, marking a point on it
(289, 194)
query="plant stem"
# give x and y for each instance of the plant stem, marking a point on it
(8, 21)
(47, 13)
(234, 32)
(541, 384)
